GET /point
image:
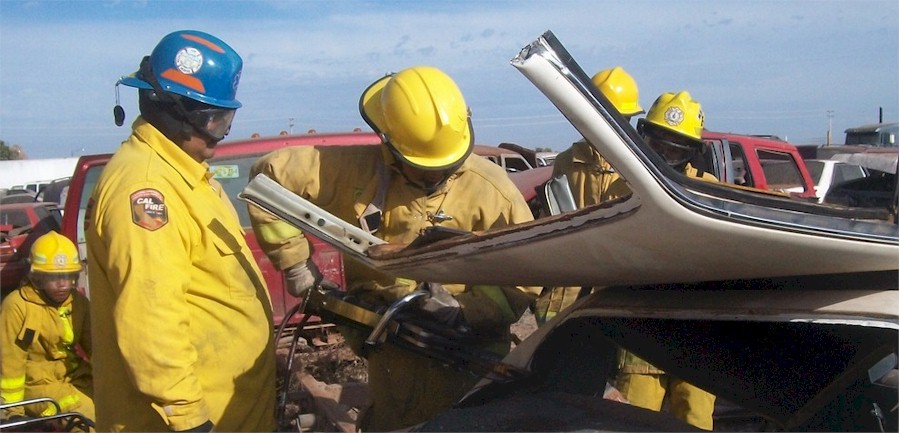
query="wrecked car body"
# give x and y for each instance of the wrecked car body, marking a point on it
(786, 308)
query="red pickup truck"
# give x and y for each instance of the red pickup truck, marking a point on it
(231, 167)
(765, 163)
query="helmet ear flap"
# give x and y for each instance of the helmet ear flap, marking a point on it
(165, 114)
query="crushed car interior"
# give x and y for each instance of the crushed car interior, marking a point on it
(785, 309)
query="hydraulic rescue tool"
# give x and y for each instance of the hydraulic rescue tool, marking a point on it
(401, 323)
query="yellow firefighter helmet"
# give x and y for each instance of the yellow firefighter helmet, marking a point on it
(421, 114)
(677, 112)
(620, 89)
(54, 254)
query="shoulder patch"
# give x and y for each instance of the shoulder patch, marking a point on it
(148, 209)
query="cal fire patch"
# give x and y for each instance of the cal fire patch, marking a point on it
(148, 209)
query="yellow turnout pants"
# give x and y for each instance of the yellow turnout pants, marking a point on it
(686, 402)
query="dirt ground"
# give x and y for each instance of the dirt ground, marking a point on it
(330, 360)
(323, 354)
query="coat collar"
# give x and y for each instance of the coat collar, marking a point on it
(193, 172)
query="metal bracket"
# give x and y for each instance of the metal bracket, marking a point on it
(271, 197)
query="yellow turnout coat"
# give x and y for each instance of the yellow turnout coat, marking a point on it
(186, 331)
(406, 388)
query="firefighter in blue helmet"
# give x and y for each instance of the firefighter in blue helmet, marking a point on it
(187, 342)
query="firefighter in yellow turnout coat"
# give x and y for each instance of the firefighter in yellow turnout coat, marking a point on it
(424, 175)
(589, 174)
(186, 341)
(44, 323)
(673, 128)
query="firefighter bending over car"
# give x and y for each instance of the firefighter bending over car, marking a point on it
(673, 127)
(589, 175)
(424, 174)
(45, 337)
(185, 339)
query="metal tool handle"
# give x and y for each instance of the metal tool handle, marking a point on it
(378, 331)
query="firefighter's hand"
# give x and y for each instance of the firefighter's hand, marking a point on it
(440, 304)
(303, 276)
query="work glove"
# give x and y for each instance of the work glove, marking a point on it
(302, 276)
(440, 304)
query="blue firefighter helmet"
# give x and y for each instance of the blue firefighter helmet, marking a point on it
(192, 64)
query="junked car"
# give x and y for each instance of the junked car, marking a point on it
(20, 225)
(828, 173)
(784, 308)
(878, 189)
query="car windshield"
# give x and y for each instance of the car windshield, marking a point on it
(815, 169)
(16, 218)
(233, 172)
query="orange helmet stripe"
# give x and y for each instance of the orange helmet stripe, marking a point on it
(184, 79)
(205, 42)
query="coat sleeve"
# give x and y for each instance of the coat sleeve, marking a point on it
(84, 329)
(14, 352)
(284, 244)
(151, 314)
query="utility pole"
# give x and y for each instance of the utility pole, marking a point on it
(830, 114)
(291, 125)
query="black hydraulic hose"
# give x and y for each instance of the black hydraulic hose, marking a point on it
(299, 307)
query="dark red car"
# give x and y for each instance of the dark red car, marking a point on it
(20, 225)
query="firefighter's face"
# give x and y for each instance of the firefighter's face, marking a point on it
(428, 180)
(56, 286)
(674, 149)
(199, 147)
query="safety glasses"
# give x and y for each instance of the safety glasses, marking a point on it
(675, 154)
(214, 121)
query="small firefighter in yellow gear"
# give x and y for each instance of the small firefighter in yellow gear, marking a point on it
(46, 338)
(673, 128)
(589, 174)
(423, 175)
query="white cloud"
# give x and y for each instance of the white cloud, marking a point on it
(763, 66)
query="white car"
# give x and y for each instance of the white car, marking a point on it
(545, 158)
(826, 173)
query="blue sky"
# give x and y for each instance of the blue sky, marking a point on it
(759, 67)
